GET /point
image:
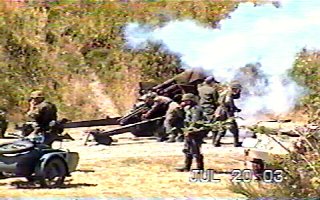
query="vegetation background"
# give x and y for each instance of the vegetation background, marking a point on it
(64, 46)
(74, 51)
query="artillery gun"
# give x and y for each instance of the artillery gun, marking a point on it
(185, 82)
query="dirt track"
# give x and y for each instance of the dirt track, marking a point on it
(134, 168)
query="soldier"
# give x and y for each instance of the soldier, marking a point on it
(40, 112)
(3, 122)
(193, 135)
(208, 97)
(158, 109)
(226, 111)
(174, 121)
(145, 100)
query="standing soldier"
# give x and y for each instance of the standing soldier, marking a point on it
(174, 120)
(208, 97)
(3, 122)
(209, 100)
(193, 135)
(226, 111)
(40, 112)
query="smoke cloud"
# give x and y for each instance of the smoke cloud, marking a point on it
(263, 34)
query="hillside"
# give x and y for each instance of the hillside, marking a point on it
(63, 47)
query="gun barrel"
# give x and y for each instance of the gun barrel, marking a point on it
(90, 123)
(140, 110)
(165, 84)
(130, 127)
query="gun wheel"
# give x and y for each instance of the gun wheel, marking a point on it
(53, 174)
(102, 139)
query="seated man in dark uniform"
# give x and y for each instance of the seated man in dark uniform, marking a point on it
(40, 113)
(3, 122)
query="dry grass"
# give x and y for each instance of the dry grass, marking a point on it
(131, 177)
(124, 89)
(85, 96)
(135, 169)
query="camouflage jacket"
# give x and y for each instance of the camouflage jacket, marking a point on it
(174, 111)
(43, 114)
(226, 108)
(193, 114)
(208, 96)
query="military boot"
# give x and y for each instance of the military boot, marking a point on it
(2, 176)
(200, 164)
(236, 141)
(217, 142)
(214, 137)
(172, 138)
(238, 144)
(187, 165)
(162, 139)
(180, 138)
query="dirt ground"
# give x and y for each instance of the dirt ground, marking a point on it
(135, 167)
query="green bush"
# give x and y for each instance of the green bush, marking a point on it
(301, 169)
(49, 45)
(306, 72)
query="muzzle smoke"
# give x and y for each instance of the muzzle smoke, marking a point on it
(264, 34)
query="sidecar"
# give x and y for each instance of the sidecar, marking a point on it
(37, 162)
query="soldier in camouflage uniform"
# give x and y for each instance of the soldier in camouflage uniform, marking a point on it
(193, 135)
(174, 121)
(208, 97)
(226, 111)
(40, 112)
(3, 122)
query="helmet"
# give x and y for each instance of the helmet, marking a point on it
(150, 95)
(143, 97)
(188, 97)
(235, 86)
(211, 79)
(36, 94)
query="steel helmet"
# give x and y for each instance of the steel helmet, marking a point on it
(188, 97)
(151, 95)
(36, 94)
(235, 86)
